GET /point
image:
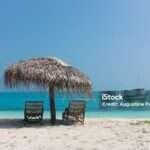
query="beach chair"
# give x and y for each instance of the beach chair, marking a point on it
(33, 111)
(75, 112)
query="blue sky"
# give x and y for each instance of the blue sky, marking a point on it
(108, 40)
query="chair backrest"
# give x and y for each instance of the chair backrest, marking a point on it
(35, 107)
(77, 106)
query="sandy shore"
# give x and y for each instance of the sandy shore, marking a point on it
(96, 134)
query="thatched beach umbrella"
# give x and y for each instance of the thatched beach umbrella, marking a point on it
(48, 72)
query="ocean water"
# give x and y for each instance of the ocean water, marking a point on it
(12, 105)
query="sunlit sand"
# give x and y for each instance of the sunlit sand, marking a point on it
(96, 134)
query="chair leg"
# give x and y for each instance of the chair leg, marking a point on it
(24, 122)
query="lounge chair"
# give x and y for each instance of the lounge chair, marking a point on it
(33, 111)
(75, 112)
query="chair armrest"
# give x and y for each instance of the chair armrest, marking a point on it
(66, 110)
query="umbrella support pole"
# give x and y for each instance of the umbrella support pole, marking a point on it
(52, 104)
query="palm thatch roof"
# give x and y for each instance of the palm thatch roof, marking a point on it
(45, 72)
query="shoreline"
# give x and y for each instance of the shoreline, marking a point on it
(140, 115)
(87, 118)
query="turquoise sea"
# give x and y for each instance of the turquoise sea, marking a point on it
(12, 105)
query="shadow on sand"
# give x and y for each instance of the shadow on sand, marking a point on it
(19, 123)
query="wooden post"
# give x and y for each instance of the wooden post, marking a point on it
(52, 104)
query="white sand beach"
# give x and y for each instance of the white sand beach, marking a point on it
(96, 134)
